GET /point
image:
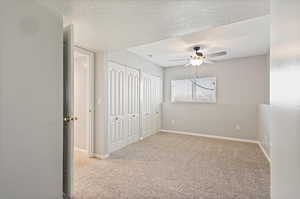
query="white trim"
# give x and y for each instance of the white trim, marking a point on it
(102, 157)
(81, 150)
(210, 136)
(222, 138)
(264, 152)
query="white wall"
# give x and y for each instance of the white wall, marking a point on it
(100, 103)
(242, 84)
(31, 113)
(129, 59)
(284, 112)
(122, 57)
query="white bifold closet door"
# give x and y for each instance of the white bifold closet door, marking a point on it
(116, 99)
(124, 106)
(157, 103)
(133, 107)
(151, 104)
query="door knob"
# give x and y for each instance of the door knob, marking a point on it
(117, 118)
(133, 116)
(67, 119)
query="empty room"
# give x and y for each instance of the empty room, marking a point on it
(170, 99)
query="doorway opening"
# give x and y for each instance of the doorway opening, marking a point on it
(83, 108)
(83, 101)
(78, 110)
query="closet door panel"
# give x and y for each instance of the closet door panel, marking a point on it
(158, 103)
(133, 101)
(146, 105)
(116, 102)
(151, 103)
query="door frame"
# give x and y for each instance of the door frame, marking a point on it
(91, 99)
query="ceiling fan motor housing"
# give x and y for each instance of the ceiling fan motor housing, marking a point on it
(197, 48)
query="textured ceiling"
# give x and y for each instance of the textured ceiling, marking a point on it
(241, 39)
(114, 24)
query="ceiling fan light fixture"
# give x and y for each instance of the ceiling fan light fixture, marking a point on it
(196, 62)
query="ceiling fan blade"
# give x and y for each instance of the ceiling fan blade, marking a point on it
(217, 54)
(183, 59)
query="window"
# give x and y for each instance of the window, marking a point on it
(201, 90)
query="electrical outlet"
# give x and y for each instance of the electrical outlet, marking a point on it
(237, 127)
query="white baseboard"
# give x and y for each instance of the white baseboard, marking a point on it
(222, 138)
(210, 136)
(264, 152)
(81, 150)
(102, 157)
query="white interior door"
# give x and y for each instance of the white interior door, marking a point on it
(151, 104)
(68, 149)
(148, 105)
(133, 105)
(84, 100)
(158, 102)
(125, 118)
(116, 112)
(81, 100)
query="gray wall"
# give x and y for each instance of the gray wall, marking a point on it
(122, 57)
(242, 84)
(263, 127)
(284, 112)
(100, 104)
(30, 101)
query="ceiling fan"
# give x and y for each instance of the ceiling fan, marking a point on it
(198, 57)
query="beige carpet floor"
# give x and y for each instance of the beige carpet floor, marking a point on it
(172, 166)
